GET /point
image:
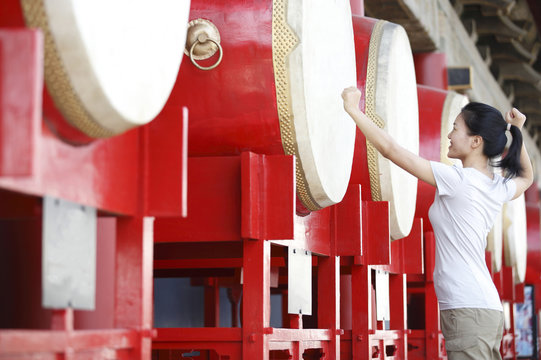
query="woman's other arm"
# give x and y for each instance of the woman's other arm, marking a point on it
(525, 180)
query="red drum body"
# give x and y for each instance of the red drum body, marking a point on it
(276, 90)
(438, 110)
(386, 76)
(431, 69)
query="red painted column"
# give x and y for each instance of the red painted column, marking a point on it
(212, 302)
(133, 297)
(398, 312)
(21, 83)
(329, 301)
(62, 319)
(256, 299)
(432, 314)
(432, 321)
(361, 308)
(234, 294)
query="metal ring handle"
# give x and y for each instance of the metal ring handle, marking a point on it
(206, 67)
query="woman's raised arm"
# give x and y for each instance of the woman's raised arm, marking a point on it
(383, 142)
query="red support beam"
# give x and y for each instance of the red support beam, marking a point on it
(133, 291)
(21, 83)
(361, 286)
(212, 302)
(348, 223)
(256, 299)
(268, 196)
(376, 232)
(398, 311)
(15, 343)
(328, 273)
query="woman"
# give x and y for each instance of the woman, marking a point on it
(467, 201)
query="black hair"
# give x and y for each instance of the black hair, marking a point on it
(488, 122)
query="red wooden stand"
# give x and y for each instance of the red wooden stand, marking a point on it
(111, 175)
(254, 195)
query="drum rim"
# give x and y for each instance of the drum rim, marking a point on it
(510, 250)
(497, 250)
(370, 108)
(62, 84)
(284, 38)
(67, 101)
(284, 42)
(400, 226)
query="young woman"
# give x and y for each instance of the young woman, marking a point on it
(467, 201)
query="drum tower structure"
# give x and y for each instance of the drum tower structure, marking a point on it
(199, 192)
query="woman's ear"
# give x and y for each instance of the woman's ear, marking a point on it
(476, 141)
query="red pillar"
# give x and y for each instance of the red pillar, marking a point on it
(329, 301)
(212, 302)
(361, 308)
(432, 314)
(398, 312)
(256, 299)
(133, 298)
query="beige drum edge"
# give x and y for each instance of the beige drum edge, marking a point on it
(397, 107)
(323, 134)
(105, 68)
(514, 237)
(495, 243)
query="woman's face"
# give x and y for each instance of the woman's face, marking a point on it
(461, 141)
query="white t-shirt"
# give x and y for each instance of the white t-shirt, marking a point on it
(465, 206)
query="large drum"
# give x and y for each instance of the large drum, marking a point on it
(109, 65)
(438, 110)
(386, 76)
(495, 238)
(515, 237)
(277, 88)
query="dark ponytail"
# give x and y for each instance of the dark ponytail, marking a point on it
(511, 161)
(488, 122)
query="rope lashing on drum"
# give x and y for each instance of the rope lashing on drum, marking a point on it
(370, 108)
(284, 40)
(56, 77)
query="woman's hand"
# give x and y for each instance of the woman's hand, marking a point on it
(515, 117)
(351, 97)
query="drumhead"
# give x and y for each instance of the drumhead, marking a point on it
(495, 243)
(514, 237)
(110, 65)
(391, 102)
(309, 80)
(451, 108)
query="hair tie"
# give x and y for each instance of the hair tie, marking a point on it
(508, 126)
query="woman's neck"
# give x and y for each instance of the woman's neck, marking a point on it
(479, 163)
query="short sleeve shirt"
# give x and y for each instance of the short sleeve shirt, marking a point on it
(464, 209)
